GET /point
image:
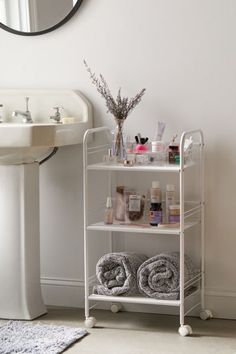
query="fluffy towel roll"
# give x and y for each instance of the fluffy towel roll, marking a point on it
(158, 277)
(117, 273)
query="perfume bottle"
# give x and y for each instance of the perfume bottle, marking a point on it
(108, 215)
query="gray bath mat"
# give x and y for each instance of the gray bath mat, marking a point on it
(26, 338)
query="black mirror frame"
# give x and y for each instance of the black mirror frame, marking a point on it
(59, 24)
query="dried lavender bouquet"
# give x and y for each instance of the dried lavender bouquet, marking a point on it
(119, 107)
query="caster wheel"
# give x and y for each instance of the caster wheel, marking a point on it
(116, 307)
(206, 314)
(185, 330)
(90, 322)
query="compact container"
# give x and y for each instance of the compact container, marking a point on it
(159, 148)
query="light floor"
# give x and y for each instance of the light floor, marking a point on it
(141, 333)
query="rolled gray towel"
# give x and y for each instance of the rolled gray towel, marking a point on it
(117, 273)
(158, 277)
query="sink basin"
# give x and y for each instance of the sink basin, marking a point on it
(27, 143)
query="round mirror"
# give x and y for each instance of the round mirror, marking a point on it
(34, 17)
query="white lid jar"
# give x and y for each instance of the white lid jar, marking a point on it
(158, 146)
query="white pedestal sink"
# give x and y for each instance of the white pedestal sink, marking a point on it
(21, 148)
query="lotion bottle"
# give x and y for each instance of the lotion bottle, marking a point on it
(155, 192)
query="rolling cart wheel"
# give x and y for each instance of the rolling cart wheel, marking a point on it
(115, 307)
(185, 330)
(206, 315)
(90, 322)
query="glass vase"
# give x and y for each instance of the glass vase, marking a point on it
(119, 146)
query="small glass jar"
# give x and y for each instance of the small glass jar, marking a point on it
(173, 152)
(159, 149)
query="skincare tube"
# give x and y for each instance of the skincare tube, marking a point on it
(160, 131)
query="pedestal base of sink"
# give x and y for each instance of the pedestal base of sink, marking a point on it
(20, 294)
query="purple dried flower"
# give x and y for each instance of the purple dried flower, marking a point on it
(119, 107)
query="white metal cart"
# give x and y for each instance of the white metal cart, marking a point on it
(92, 162)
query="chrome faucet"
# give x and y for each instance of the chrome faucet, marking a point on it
(57, 115)
(26, 115)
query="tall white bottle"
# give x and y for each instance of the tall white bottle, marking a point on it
(170, 198)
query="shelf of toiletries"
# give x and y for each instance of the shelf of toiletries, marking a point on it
(140, 155)
(133, 210)
(166, 225)
(170, 229)
(165, 167)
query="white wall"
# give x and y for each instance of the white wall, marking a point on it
(184, 53)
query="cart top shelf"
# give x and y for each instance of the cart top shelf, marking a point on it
(148, 168)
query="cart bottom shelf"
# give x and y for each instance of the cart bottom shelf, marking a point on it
(138, 299)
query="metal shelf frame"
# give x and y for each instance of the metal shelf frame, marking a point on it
(180, 232)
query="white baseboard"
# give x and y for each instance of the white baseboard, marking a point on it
(221, 303)
(70, 293)
(63, 292)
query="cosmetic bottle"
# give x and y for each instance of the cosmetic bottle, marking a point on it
(108, 215)
(170, 198)
(155, 192)
(155, 212)
(174, 213)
